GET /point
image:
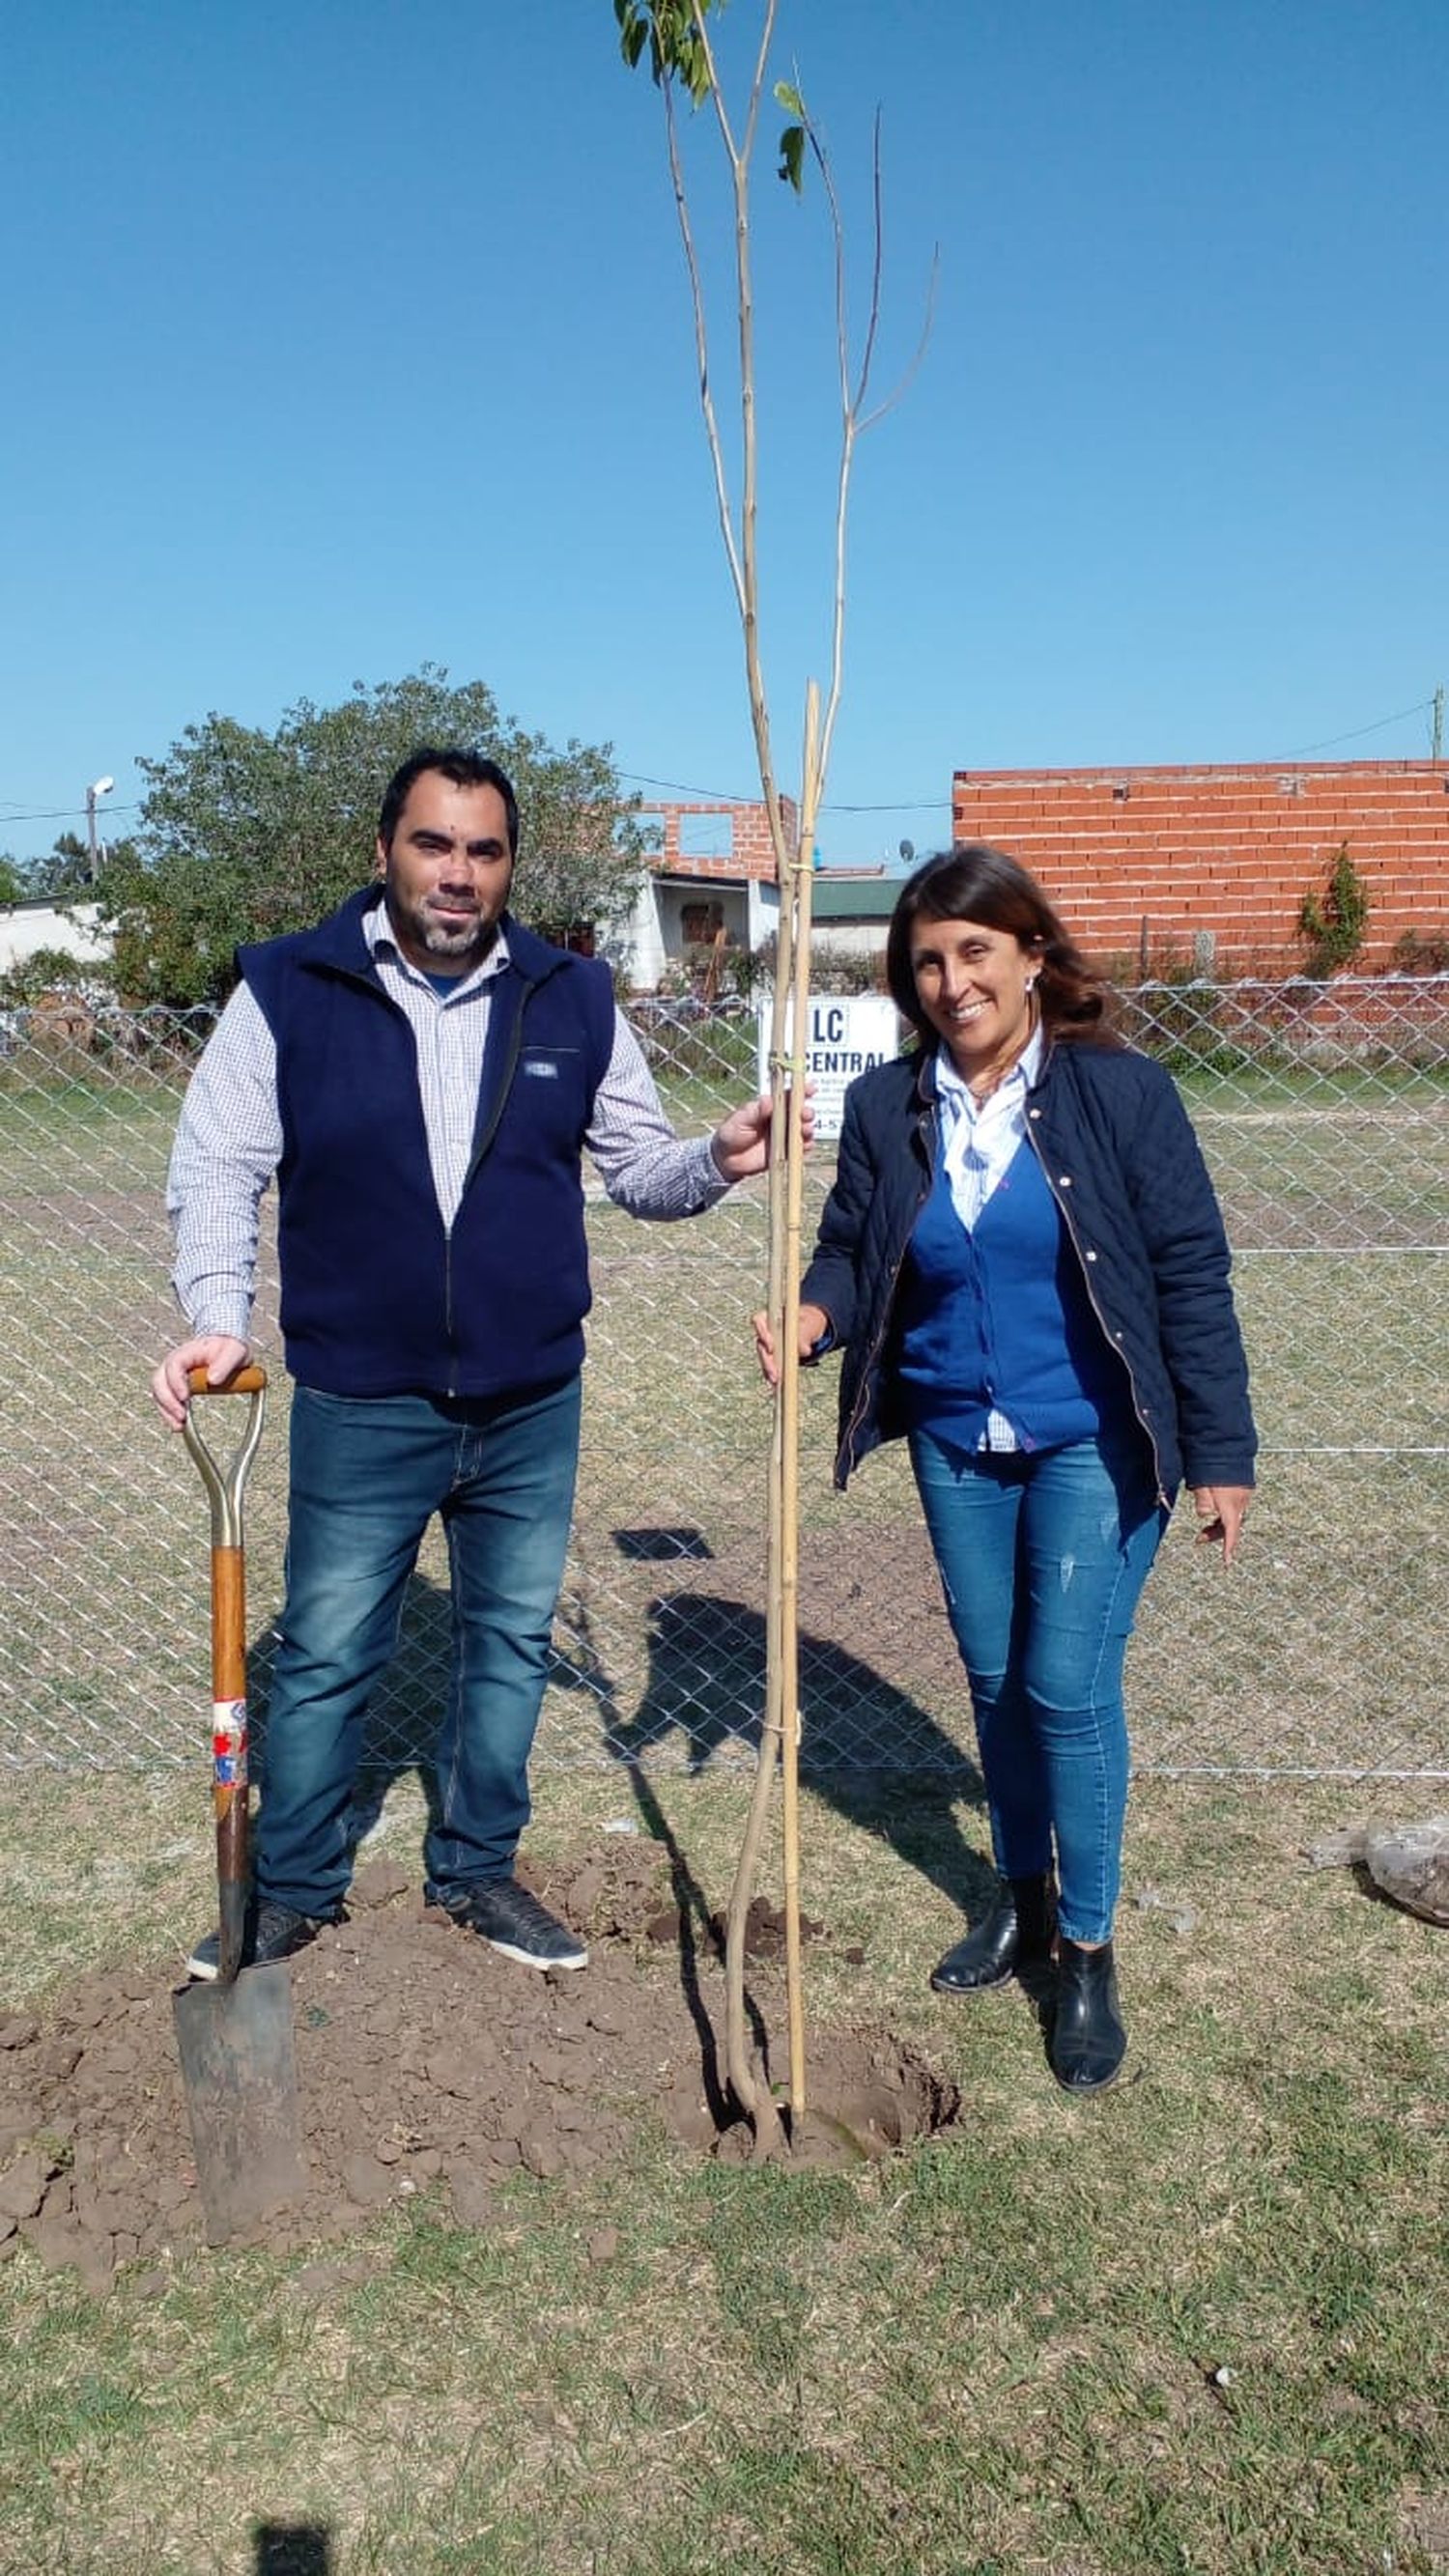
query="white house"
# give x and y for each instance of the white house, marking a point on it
(74, 927)
(711, 870)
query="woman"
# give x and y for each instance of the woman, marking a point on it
(1024, 1263)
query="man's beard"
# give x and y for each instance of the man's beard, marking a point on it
(467, 944)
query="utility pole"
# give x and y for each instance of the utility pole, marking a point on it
(100, 787)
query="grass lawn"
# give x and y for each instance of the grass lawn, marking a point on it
(1198, 2324)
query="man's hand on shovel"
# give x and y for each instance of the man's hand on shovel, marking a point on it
(218, 1353)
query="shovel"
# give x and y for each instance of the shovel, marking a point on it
(235, 2037)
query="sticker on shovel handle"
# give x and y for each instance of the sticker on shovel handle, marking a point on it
(229, 1743)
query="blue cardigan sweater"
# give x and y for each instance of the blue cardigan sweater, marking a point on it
(996, 1318)
(1128, 1178)
(379, 1297)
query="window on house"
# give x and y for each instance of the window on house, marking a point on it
(706, 836)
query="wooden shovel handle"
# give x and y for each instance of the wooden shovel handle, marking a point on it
(249, 1379)
(228, 1624)
(230, 1747)
(229, 1741)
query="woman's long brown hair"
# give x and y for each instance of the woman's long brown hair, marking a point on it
(974, 882)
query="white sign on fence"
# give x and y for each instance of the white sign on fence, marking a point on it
(845, 1036)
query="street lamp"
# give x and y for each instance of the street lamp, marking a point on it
(98, 787)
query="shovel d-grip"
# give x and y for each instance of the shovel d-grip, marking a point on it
(225, 1483)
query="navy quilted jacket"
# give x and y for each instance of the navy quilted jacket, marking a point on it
(1128, 1176)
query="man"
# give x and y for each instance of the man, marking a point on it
(420, 1073)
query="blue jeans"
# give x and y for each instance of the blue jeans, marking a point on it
(1042, 1557)
(367, 1474)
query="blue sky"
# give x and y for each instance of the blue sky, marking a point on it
(345, 336)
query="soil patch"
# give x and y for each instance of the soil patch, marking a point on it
(425, 2060)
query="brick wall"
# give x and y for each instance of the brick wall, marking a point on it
(1231, 852)
(751, 852)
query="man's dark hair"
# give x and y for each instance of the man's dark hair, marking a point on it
(974, 882)
(464, 768)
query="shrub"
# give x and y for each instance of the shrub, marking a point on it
(1334, 925)
(54, 970)
(1421, 953)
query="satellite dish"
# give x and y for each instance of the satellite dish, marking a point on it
(908, 851)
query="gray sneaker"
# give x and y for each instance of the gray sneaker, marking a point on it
(273, 1932)
(512, 1921)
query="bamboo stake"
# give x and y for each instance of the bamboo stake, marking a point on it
(788, 1403)
(780, 1738)
(754, 2099)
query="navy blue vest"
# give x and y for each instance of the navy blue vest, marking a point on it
(378, 1296)
(999, 1320)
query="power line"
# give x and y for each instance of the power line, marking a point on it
(60, 813)
(1381, 725)
(933, 804)
(724, 796)
(907, 805)
(677, 787)
(719, 796)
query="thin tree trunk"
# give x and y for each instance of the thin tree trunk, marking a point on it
(779, 1742)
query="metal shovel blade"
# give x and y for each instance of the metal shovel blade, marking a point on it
(235, 2043)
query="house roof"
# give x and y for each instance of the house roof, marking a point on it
(852, 898)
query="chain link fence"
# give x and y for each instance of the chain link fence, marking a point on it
(1324, 1113)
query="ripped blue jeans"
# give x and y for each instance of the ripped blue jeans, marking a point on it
(1042, 1557)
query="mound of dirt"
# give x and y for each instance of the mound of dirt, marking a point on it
(424, 2061)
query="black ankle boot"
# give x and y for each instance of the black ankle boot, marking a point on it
(1088, 2040)
(1017, 1933)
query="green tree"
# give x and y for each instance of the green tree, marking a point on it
(64, 871)
(245, 834)
(13, 885)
